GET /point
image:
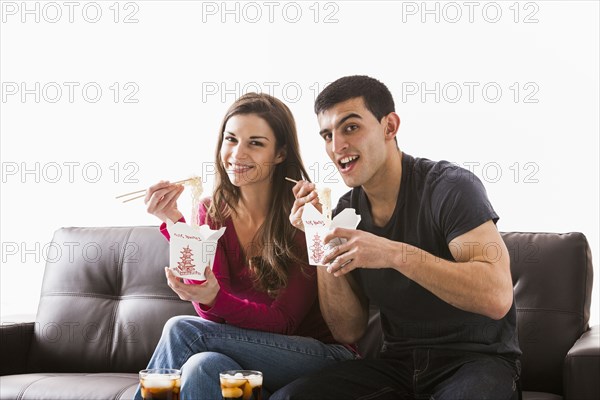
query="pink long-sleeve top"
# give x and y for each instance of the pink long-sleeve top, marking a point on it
(295, 310)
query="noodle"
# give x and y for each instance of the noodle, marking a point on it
(325, 200)
(195, 183)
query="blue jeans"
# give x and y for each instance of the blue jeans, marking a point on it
(434, 374)
(202, 349)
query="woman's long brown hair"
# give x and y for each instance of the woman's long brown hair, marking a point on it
(273, 247)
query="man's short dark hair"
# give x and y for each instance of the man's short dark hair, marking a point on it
(375, 94)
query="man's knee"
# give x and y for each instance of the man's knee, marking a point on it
(488, 378)
(292, 391)
(282, 394)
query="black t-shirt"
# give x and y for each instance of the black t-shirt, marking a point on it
(437, 202)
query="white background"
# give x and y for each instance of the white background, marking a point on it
(529, 127)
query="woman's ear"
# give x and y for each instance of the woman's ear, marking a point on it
(281, 155)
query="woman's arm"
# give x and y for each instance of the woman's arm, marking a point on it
(165, 231)
(283, 315)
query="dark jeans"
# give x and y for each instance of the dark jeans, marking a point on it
(418, 374)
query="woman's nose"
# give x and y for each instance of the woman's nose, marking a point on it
(238, 151)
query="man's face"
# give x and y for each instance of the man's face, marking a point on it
(354, 140)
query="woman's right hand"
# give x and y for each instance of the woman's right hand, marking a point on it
(161, 200)
(304, 192)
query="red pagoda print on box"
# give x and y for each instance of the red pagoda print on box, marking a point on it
(317, 248)
(185, 266)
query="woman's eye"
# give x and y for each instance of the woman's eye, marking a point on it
(230, 139)
(256, 143)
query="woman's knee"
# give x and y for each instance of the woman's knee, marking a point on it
(182, 324)
(209, 363)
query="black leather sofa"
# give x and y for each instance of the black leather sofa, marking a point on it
(104, 301)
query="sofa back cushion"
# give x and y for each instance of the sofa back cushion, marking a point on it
(104, 300)
(552, 278)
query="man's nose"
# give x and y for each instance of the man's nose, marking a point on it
(338, 143)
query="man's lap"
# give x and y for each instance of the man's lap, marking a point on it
(419, 374)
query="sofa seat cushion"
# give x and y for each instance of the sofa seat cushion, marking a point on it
(541, 396)
(48, 386)
(118, 386)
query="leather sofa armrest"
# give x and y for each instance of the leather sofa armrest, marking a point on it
(582, 367)
(15, 341)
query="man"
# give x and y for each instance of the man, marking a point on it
(426, 252)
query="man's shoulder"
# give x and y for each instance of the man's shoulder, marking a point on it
(441, 174)
(348, 200)
(426, 166)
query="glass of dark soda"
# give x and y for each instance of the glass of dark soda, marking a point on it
(160, 384)
(241, 385)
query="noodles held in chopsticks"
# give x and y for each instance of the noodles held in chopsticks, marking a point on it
(324, 194)
(195, 184)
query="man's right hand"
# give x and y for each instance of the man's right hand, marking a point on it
(304, 192)
(161, 200)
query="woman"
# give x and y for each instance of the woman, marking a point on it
(258, 308)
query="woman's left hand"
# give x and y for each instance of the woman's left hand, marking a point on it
(204, 293)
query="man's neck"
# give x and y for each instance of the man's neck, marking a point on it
(382, 190)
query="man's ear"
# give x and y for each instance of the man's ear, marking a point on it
(281, 155)
(391, 125)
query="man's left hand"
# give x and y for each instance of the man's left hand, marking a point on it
(361, 250)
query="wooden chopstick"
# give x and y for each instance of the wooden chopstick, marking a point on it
(144, 191)
(291, 180)
(136, 197)
(129, 194)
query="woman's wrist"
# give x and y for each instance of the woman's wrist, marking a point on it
(174, 216)
(207, 305)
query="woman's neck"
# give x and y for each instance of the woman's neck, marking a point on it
(253, 206)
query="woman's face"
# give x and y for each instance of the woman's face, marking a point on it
(249, 150)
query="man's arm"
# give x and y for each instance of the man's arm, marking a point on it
(479, 281)
(343, 306)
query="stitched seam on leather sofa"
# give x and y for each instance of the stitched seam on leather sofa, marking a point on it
(110, 297)
(113, 317)
(571, 357)
(22, 393)
(549, 310)
(585, 283)
(119, 394)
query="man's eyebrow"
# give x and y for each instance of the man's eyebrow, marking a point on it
(341, 122)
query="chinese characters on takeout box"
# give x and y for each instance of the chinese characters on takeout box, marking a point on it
(192, 249)
(317, 226)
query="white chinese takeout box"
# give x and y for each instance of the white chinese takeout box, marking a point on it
(192, 249)
(317, 226)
